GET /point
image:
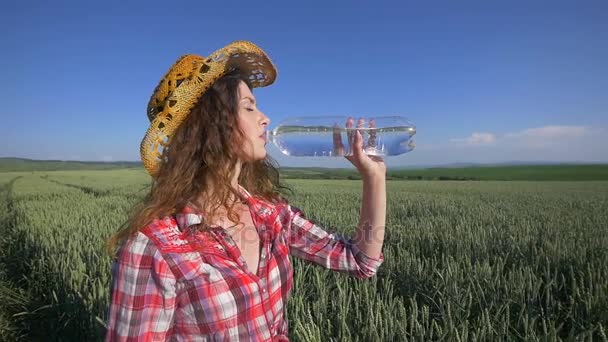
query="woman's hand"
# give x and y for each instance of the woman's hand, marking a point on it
(368, 166)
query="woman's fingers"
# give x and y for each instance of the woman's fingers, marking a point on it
(349, 132)
(371, 141)
(358, 140)
(338, 145)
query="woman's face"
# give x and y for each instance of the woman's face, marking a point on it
(253, 123)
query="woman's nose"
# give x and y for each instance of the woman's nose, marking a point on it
(265, 120)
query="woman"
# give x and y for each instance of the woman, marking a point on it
(206, 255)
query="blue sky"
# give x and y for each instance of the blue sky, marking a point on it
(483, 81)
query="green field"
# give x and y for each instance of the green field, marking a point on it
(464, 260)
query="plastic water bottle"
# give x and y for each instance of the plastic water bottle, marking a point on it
(332, 136)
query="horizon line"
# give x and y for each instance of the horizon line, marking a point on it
(459, 163)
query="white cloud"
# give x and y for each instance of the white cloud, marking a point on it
(538, 137)
(477, 139)
(550, 132)
(546, 143)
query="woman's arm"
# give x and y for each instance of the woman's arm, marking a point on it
(370, 233)
(310, 241)
(369, 236)
(360, 256)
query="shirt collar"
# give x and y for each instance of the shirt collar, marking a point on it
(190, 216)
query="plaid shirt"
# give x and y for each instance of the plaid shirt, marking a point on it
(169, 283)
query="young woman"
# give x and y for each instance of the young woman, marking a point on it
(205, 257)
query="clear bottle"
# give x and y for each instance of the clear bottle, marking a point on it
(333, 136)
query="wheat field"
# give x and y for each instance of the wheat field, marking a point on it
(464, 260)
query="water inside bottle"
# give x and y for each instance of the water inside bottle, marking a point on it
(322, 141)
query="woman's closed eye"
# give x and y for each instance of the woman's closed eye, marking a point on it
(249, 104)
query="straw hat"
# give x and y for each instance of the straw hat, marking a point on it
(185, 83)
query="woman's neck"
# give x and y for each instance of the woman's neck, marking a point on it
(234, 184)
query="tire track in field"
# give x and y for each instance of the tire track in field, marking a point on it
(13, 299)
(40, 311)
(87, 190)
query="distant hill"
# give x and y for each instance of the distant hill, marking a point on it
(505, 163)
(460, 171)
(22, 164)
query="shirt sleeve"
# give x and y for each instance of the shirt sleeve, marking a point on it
(143, 296)
(309, 241)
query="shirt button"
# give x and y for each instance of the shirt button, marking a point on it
(263, 290)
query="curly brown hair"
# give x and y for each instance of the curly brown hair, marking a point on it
(202, 155)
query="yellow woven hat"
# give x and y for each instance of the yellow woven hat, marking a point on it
(184, 84)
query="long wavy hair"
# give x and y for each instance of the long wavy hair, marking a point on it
(201, 155)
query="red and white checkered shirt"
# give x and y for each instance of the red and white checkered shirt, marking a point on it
(171, 283)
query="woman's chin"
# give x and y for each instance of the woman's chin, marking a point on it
(262, 156)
